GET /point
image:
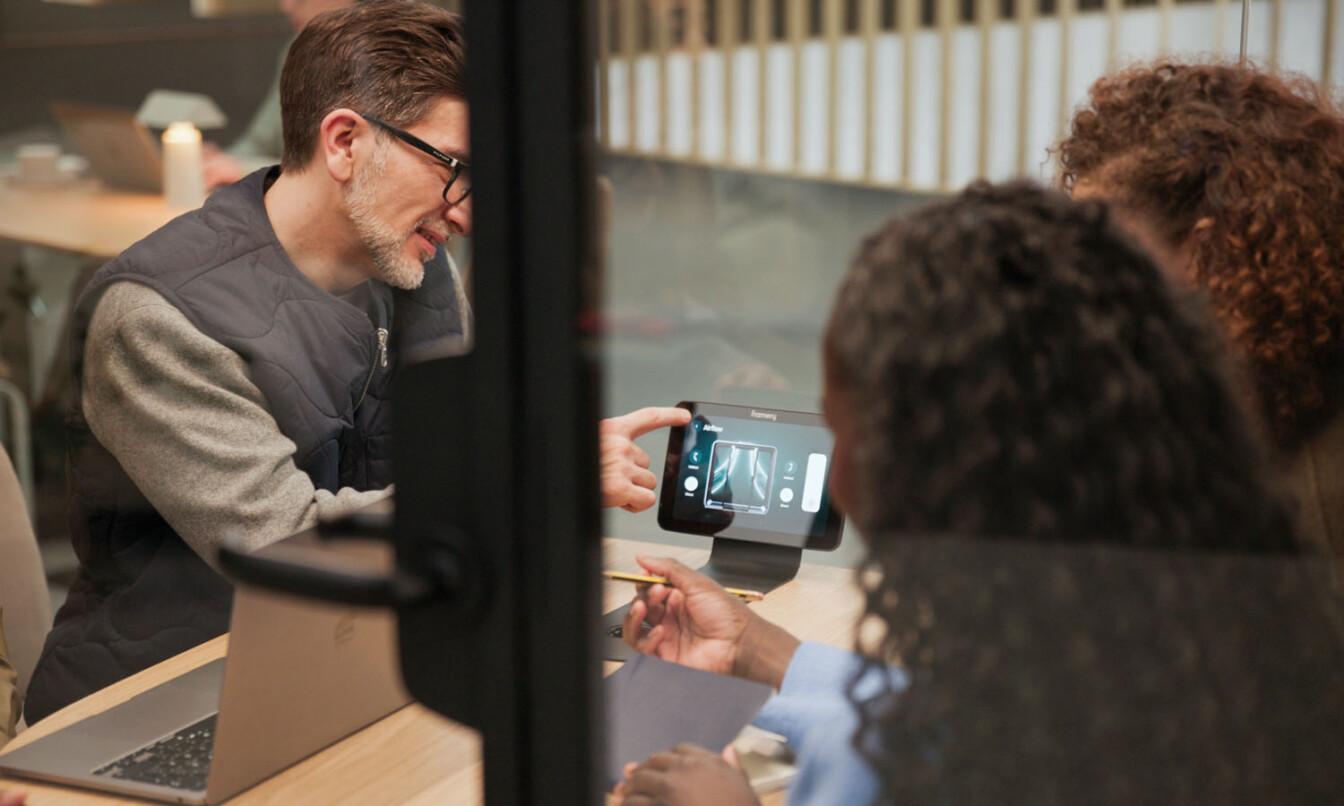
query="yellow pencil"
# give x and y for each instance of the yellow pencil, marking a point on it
(621, 576)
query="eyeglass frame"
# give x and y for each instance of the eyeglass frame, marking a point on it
(452, 163)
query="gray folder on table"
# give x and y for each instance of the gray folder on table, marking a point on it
(653, 705)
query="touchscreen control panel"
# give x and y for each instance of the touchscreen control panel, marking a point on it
(750, 474)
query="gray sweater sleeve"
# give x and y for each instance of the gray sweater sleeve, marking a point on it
(181, 415)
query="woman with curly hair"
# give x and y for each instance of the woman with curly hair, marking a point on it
(1234, 179)
(1007, 374)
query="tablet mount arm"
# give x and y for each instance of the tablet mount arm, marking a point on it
(753, 566)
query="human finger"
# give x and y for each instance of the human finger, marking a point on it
(642, 421)
(676, 606)
(679, 575)
(730, 756)
(634, 620)
(655, 603)
(647, 782)
(648, 643)
(639, 499)
(643, 478)
(656, 594)
(689, 749)
(657, 611)
(662, 760)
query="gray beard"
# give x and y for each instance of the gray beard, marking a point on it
(384, 244)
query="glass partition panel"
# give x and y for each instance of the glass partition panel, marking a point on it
(748, 148)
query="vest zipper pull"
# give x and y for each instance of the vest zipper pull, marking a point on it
(373, 370)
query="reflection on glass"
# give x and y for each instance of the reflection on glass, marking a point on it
(1150, 677)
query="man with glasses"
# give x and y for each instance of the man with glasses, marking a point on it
(233, 369)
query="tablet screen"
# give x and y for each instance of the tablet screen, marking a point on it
(750, 474)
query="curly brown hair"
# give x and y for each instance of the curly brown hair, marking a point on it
(1245, 169)
(1020, 370)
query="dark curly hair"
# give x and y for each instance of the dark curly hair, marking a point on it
(1024, 370)
(1021, 369)
(1258, 158)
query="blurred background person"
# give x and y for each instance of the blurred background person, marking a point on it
(262, 143)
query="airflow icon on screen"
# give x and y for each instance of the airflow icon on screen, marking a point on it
(741, 476)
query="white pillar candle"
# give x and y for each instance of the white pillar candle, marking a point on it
(183, 178)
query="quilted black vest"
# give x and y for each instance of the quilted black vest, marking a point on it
(325, 367)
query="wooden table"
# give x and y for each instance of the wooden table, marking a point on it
(81, 217)
(415, 756)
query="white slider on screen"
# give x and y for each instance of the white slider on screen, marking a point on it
(815, 481)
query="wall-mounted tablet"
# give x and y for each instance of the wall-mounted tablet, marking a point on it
(750, 474)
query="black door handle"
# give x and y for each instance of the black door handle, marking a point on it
(358, 525)
(442, 571)
(309, 580)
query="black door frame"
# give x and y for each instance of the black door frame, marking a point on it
(530, 91)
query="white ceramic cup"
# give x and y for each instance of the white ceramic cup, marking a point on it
(38, 162)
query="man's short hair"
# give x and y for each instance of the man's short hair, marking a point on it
(386, 58)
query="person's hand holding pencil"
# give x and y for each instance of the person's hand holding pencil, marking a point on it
(695, 622)
(647, 579)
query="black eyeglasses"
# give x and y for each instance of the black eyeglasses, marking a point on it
(459, 181)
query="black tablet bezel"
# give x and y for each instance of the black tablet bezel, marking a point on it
(828, 540)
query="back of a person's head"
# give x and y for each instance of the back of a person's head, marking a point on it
(1020, 368)
(1243, 170)
(388, 58)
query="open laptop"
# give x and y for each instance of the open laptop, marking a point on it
(298, 677)
(120, 150)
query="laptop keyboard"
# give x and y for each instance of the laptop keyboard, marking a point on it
(179, 761)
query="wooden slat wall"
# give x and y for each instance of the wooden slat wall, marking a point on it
(1064, 13)
(832, 19)
(695, 45)
(844, 24)
(728, 43)
(1026, 16)
(868, 28)
(907, 23)
(1328, 47)
(985, 13)
(795, 28)
(763, 27)
(629, 34)
(945, 12)
(662, 35)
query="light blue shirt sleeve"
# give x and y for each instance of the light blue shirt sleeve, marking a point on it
(813, 711)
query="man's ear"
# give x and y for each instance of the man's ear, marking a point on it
(341, 135)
